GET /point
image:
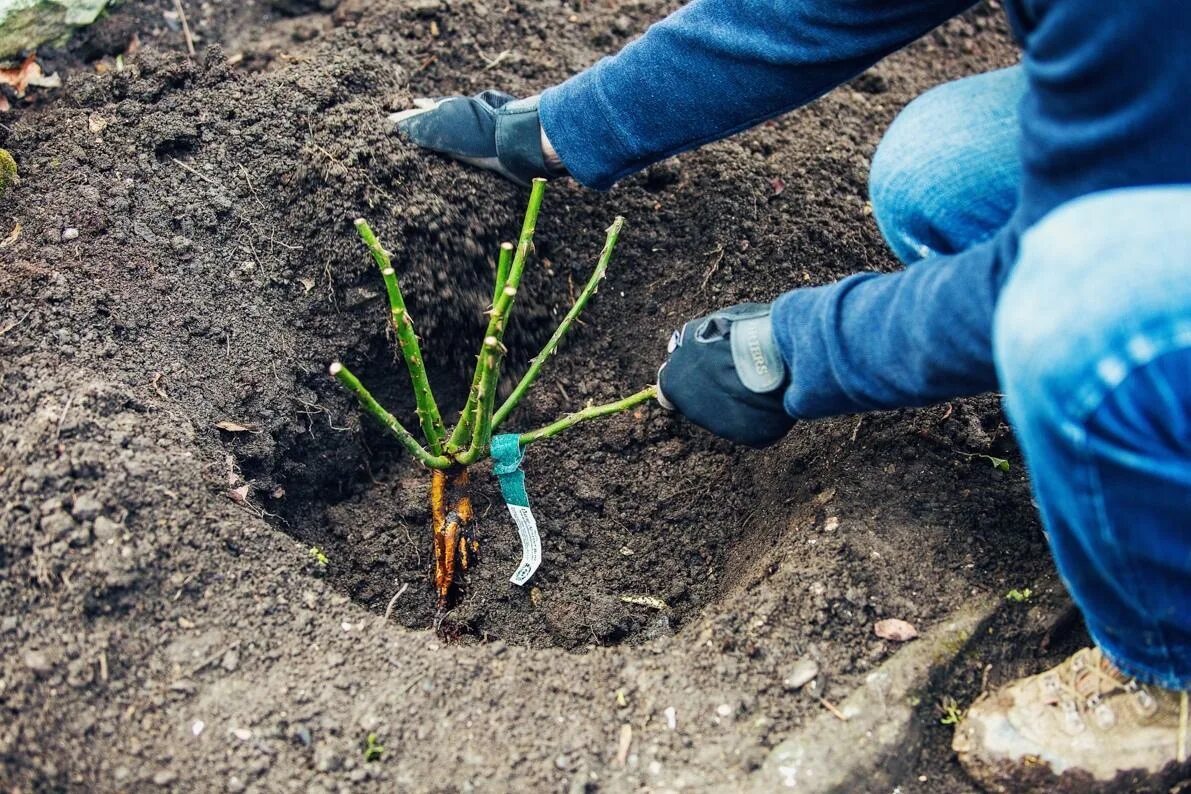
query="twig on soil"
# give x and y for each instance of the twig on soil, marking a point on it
(198, 173)
(15, 323)
(185, 27)
(491, 63)
(62, 417)
(155, 385)
(827, 704)
(712, 266)
(393, 601)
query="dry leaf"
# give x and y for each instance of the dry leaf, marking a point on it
(895, 630)
(28, 74)
(626, 742)
(12, 236)
(239, 495)
(645, 601)
(233, 427)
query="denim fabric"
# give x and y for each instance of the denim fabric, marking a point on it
(1093, 346)
(1103, 107)
(947, 172)
(715, 67)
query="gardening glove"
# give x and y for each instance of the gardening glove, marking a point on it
(725, 374)
(491, 130)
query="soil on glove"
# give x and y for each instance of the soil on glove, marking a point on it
(178, 269)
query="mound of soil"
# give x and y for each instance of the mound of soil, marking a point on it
(181, 256)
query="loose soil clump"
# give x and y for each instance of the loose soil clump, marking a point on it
(179, 267)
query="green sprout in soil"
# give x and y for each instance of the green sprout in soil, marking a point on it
(318, 556)
(449, 453)
(1000, 464)
(997, 463)
(1019, 596)
(952, 713)
(373, 749)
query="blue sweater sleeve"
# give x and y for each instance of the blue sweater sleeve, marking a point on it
(715, 67)
(1105, 108)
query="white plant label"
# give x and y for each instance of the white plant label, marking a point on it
(531, 543)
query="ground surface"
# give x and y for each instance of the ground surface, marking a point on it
(182, 255)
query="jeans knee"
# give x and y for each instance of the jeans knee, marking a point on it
(1100, 288)
(945, 174)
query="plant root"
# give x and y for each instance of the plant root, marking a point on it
(455, 543)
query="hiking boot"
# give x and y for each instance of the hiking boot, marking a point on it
(1080, 727)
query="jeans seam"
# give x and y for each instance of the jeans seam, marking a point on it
(1088, 401)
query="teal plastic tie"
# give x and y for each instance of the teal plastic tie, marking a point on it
(507, 454)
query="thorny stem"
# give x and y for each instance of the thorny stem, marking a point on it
(352, 384)
(407, 341)
(466, 427)
(590, 412)
(502, 270)
(535, 366)
(488, 366)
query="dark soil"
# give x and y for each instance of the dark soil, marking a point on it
(185, 257)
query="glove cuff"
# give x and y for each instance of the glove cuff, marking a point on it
(519, 139)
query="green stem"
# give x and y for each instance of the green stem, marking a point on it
(488, 367)
(502, 270)
(535, 366)
(352, 384)
(590, 412)
(465, 426)
(407, 340)
(481, 429)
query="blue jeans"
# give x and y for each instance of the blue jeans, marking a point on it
(1092, 341)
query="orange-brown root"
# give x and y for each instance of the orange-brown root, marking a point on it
(451, 551)
(450, 544)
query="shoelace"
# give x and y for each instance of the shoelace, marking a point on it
(1069, 685)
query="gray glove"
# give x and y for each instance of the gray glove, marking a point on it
(725, 374)
(491, 130)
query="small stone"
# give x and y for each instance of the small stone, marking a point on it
(38, 662)
(86, 507)
(831, 524)
(498, 647)
(165, 777)
(70, 233)
(801, 674)
(243, 734)
(235, 784)
(196, 727)
(327, 760)
(106, 528)
(724, 710)
(230, 661)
